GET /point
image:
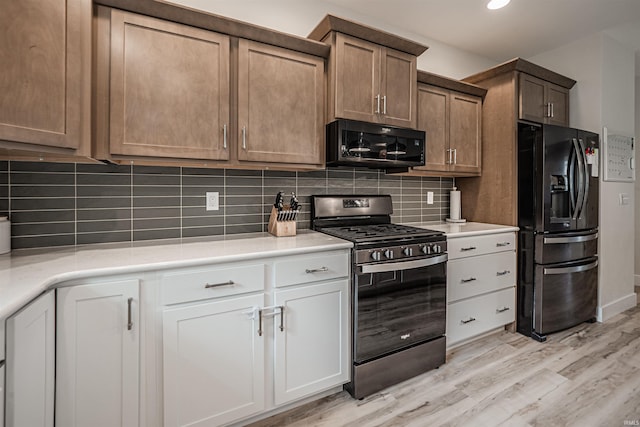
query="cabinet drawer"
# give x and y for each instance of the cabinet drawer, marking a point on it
(467, 277)
(479, 245)
(211, 282)
(311, 268)
(475, 316)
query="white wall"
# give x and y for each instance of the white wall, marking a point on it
(605, 96)
(299, 17)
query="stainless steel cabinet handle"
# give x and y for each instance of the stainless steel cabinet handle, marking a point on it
(469, 320)
(244, 137)
(129, 317)
(502, 244)
(217, 285)
(260, 322)
(384, 104)
(224, 136)
(502, 310)
(551, 103)
(377, 97)
(449, 151)
(316, 270)
(455, 156)
(502, 273)
(548, 109)
(281, 318)
(470, 248)
(470, 279)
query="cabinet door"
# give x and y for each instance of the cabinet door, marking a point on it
(311, 350)
(357, 79)
(465, 132)
(213, 362)
(558, 97)
(433, 118)
(169, 89)
(280, 105)
(398, 88)
(97, 349)
(532, 98)
(46, 71)
(31, 364)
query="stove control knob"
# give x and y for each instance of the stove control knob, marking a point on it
(388, 254)
(408, 251)
(375, 255)
(426, 249)
(437, 249)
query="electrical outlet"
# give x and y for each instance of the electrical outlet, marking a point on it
(429, 197)
(213, 200)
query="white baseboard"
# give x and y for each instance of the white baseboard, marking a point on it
(606, 312)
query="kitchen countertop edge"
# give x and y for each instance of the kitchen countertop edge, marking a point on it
(464, 229)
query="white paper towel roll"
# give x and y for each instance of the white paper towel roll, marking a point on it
(454, 204)
(5, 235)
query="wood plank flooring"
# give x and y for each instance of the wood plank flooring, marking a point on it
(586, 376)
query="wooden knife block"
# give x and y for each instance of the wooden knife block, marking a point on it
(281, 228)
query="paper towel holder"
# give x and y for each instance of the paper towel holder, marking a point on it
(454, 207)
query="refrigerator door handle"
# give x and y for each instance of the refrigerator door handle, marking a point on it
(581, 178)
(571, 173)
(569, 270)
(583, 156)
(573, 239)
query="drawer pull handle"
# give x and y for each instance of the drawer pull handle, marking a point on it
(502, 310)
(470, 248)
(502, 244)
(502, 273)
(316, 270)
(469, 320)
(260, 323)
(470, 279)
(217, 285)
(282, 318)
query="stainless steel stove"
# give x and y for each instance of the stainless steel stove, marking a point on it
(398, 293)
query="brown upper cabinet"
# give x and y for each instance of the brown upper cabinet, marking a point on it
(493, 197)
(372, 74)
(542, 101)
(46, 76)
(170, 92)
(450, 112)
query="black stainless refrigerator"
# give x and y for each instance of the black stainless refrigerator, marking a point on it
(558, 196)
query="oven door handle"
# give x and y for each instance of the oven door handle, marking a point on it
(404, 265)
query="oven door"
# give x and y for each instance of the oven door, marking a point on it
(398, 305)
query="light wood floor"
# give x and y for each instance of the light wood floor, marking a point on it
(586, 376)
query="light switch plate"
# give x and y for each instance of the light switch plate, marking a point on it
(213, 200)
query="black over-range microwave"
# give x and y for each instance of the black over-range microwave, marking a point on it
(354, 143)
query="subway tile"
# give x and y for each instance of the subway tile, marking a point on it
(41, 191)
(202, 171)
(156, 170)
(243, 181)
(23, 242)
(202, 231)
(104, 237)
(156, 212)
(155, 191)
(155, 223)
(203, 181)
(103, 202)
(200, 211)
(200, 191)
(103, 214)
(103, 226)
(240, 172)
(154, 180)
(279, 174)
(149, 202)
(245, 200)
(280, 182)
(139, 235)
(38, 229)
(60, 215)
(240, 229)
(243, 191)
(244, 219)
(4, 165)
(104, 191)
(92, 179)
(34, 204)
(202, 221)
(33, 178)
(102, 169)
(41, 167)
(411, 217)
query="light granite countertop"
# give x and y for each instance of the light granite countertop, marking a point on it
(465, 229)
(24, 274)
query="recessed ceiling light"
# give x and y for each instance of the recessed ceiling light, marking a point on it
(497, 4)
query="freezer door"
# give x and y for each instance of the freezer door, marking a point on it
(565, 295)
(553, 248)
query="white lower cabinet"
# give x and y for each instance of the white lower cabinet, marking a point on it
(311, 352)
(481, 280)
(30, 364)
(97, 355)
(213, 362)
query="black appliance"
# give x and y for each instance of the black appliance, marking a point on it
(361, 144)
(558, 195)
(398, 290)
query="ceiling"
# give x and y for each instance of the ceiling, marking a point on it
(523, 28)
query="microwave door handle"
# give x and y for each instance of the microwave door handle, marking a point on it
(585, 166)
